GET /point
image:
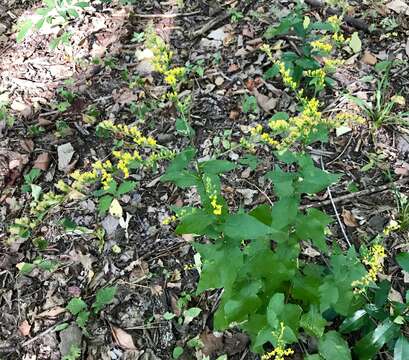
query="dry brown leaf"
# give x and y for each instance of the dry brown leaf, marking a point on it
(349, 218)
(234, 115)
(266, 103)
(123, 339)
(52, 313)
(369, 58)
(27, 145)
(42, 161)
(212, 344)
(24, 328)
(233, 68)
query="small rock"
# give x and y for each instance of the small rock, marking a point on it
(219, 81)
(218, 34)
(65, 154)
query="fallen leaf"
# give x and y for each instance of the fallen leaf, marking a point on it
(349, 218)
(234, 67)
(234, 115)
(369, 58)
(42, 161)
(24, 328)
(51, 313)
(115, 209)
(24, 109)
(266, 103)
(395, 295)
(123, 339)
(212, 343)
(27, 145)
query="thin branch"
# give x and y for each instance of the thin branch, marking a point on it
(349, 197)
(166, 16)
(341, 225)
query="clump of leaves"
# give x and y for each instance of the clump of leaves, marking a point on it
(82, 312)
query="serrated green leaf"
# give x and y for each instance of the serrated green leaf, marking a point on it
(403, 260)
(312, 227)
(195, 223)
(104, 203)
(23, 30)
(82, 319)
(126, 187)
(370, 344)
(216, 166)
(76, 305)
(168, 315)
(103, 297)
(401, 349)
(283, 181)
(332, 346)
(181, 178)
(244, 227)
(313, 322)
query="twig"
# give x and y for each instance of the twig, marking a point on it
(45, 332)
(260, 190)
(342, 152)
(209, 25)
(356, 23)
(341, 225)
(166, 16)
(351, 196)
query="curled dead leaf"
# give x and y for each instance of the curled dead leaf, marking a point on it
(123, 339)
(24, 328)
(42, 162)
(349, 218)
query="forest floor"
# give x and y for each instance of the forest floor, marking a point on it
(53, 99)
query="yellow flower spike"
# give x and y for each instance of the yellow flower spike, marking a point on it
(374, 260)
(320, 45)
(217, 208)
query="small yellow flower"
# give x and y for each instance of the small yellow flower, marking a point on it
(374, 260)
(320, 45)
(217, 208)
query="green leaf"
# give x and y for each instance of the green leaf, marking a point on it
(313, 322)
(249, 160)
(283, 181)
(61, 327)
(190, 314)
(313, 179)
(313, 357)
(244, 227)
(23, 30)
(370, 344)
(355, 43)
(103, 297)
(82, 319)
(168, 315)
(332, 346)
(312, 227)
(216, 166)
(401, 349)
(25, 268)
(126, 187)
(403, 260)
(76, 305)
(195, 223)
(181, 178)
(355, 322)
(104, 203)
(177, 352)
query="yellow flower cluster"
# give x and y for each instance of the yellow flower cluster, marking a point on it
(318, 74)
(130, 131)
(374, 260)
(392, 226)
(279, 351)
(48, 200)
(217, 208)
(348, 118)
(173, 75)
(168, 220)
(162, 56)
(125, 159)
(286, 76)
(320, 45)
(330, 65)
(339, 38)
